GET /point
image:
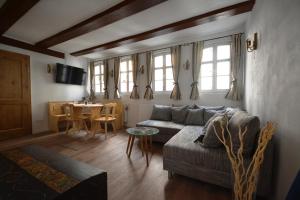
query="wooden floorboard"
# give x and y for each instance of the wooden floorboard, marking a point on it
(130, 179)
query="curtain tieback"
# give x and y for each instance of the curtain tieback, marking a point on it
(148, 86)
(175, 83)
(135, 86)
(195, 83)
(116, 88)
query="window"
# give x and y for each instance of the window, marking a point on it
(99, 78)
(215, 68)
(163, 75)
(126, 82)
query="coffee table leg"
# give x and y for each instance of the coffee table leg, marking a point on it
(146, 149)
(151, 143)
(142, 144)
(132, 141)
(128, 144)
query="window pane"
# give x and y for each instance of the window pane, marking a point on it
(169, 73)
(97, 88)
(97, 80)
(223, 82)
(159, 74)
(169, 85)
(158, 86)
(123, 66)
(102, 87)
(168, 60)
(102, 69)
(123, 78)
(123, 87)
(207, 69)
(130, 76)
(130, 65)
(207, 54)
(130, 86)
(97, 69)
(158, 61)
(223, 52)
(223, 68)
(206, 83)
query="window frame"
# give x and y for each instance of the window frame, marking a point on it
(162, 53)
(126, 59)
(100, 75)
(214, 44)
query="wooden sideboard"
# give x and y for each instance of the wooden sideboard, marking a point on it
(56, 114)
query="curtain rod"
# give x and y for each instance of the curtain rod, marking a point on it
(183, 44)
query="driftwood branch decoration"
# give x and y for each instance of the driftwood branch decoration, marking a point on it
(245, 177)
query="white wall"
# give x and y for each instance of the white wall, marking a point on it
(43, 87)
(273, 83)
(141, 109)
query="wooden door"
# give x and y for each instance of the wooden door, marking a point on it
(15, 103)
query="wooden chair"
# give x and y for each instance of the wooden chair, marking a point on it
(74, 116)
(107, 118)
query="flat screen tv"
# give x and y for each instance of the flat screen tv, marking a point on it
(69, 75)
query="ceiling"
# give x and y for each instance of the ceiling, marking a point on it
(48, 17)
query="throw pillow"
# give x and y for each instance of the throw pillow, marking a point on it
(161, 112)
(243, 119)
(209, 138)
(195, 117)
(179, 114)
(209, 113)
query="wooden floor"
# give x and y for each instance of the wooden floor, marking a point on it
(130, 179)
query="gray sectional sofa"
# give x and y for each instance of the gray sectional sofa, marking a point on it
(183, 155)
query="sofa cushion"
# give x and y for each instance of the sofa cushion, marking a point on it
(195, 117)
(182, 148)
(207, 114)
(179, 114)
(213, 107)
(161, 112)
(209, 139)
(243, 119)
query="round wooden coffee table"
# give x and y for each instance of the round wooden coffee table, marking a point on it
(145, 134)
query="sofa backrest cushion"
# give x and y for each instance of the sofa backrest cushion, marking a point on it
(209, 138)
(161, 112)
(195, 117)
(243, 119)
(213, 107)
(179, 114)
(208, 113)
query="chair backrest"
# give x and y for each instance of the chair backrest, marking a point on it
(110, 110)
(95, 112)
(68, 110)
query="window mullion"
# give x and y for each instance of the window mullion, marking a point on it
(214, 67)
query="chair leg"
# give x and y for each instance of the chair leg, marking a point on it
(105, 127)
(85, 126)
(113, 123)
(67, 128)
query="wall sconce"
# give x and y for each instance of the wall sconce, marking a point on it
(251, 44)
(111, 73)
(49, 68)
(186, 65)
(141, 69)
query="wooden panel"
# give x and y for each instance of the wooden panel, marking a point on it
(15, 98)
(12, 10)
(109, 16)
(170, 28)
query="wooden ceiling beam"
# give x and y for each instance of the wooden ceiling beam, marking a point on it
(109, 16)
(12, 10)
(228, 11)
(24, 45)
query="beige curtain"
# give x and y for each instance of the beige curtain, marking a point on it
(116, 77)
(92, 81)
(135, 67)
(234, 93)
(149, 65)
(106, 76)
(196, 66)
(175, 58)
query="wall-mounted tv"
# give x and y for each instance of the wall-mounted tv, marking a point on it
(69, 75)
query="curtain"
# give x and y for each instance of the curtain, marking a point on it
(149, 65)
(135, 67)
(92, 81)
(116, 77)
(196, 66)
(106, 76)
(175, 58)
(234, 93)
